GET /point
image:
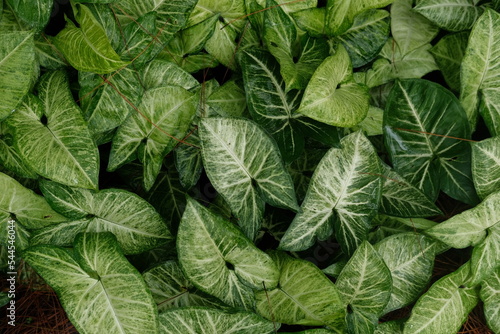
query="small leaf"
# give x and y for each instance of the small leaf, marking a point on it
(208, 320)
(486, 166)
(469, 227)
(139, 44)
(490, 295)
(97, 286)
(188, 161)
(452, 15)
(9, 156)
(324, 101)
(219, 260)
(445, 306)
(87, 48)
(304, 296)
(311, 20)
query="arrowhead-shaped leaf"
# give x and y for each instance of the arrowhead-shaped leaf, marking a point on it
(452, 15)
(97, 286)
(332, 97)
(486, 166)
(304, 296)
(62, 148)
(345, 180)
(423, 125)
(219, 260)
(245, 167)
(134, 222)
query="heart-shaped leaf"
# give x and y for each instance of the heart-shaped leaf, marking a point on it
(245, 178)
(486, 166)
(97, 286)
(305, 296)
(219, 260)
(343, 180)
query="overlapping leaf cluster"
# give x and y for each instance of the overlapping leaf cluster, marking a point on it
(322, 128)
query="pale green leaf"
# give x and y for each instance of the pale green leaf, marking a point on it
(423, 124)
(135, 223)
(469, 227)
(480, 70)
(345, 180)
(485, 256)
(486, 166)
(311, 20)
(452, 15)
(9, 156)
(87, 47)
(245, 167)
(228, 100)
(372, 124)
(304, 296)
(490, 295)
(219, 260)
(160, 73)
(222, 44)
(489, 108)
(17, 60)
(105, 16)
(47, 55)
(326, 102)
(188, 161)
(410, 258)
(35, 14)
(211, 321)
(291, 7)
(390, 327)
(445, 306)
(228, 9)
(62, 148)
(98, 288)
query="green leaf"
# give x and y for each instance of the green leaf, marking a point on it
(35, 14)
(311, 20)
(17, 64)
(423, 125)
(372, 124)
(486, 166)
(368, 34)
(24, 205)
(469, 227)
(452, 15)
(219, 260)
(490, 295)
(232, 155)
(448, 53)
(365, 284)
(88, 48)
(207, 320)
(135, 223)
(401, 199)
(139, 41)
(479, 70)
(171, 289)
(345, 181)
(47, 55)
(303, 168)
(304, 296)
(228, 100)
(188, 161)
(489, 108)
(222, 45)
(60, 149)
(485, 256)
(410, 258)
(97, 286)
(164, 118)
(9, 156)
(445, 306)
(324, 101)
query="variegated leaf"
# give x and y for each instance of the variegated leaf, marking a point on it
(304, 296)
(489, 108)
(490, 295)
(134, 222)
(485, 256)
(345, 180)
(245, 167)
(53, 120)
(202, 320)
(139, 40)
(452, 15)
(97, 286)
(9, 156)
(486, 166)
(188, 161)
(469, 227)
(445, 306)
(423, 124)
(219, 260)
(35, 14)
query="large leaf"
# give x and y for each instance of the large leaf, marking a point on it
(163, 119)
(9, 156)
(480, 70)
(423, 124)
(139, 40)
(87, 47)
(490, 295)
(445, 306)
(219, 260)
(245, 167)
(210, 321)
(486, 166)
(343, 196)
(452, 15)
(365, 284)
(486, 256)
(410, 258)
(35, 14)
(304, 296)
(134, 222)
(52, 137)
(17, 65)
(21, 203)
(469, 227)
(326, 102)
(97, 286)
